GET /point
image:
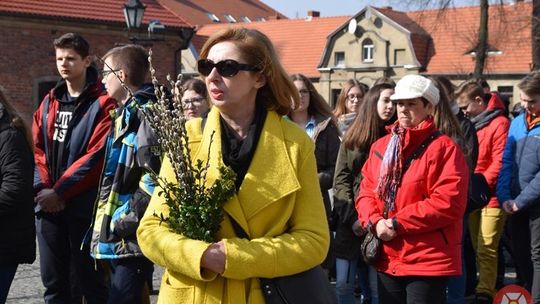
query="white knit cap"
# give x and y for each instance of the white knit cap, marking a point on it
(414, 86)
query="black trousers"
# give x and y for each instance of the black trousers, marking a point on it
(68, 272)
(520, 237)
(525, 233)
(411, 289)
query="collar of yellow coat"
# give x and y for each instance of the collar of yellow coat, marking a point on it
(270, 176)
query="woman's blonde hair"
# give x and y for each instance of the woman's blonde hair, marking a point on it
(257, 50)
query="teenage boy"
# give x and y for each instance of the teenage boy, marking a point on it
(486, 112)
(126, 185)
(518, 188)
(69, 131)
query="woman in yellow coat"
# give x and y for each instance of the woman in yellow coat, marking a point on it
(278, 201)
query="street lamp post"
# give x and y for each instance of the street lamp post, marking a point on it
(134, 12)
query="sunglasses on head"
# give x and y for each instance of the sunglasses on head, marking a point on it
(225, 68)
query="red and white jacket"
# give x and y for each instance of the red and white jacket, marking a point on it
(429, 206)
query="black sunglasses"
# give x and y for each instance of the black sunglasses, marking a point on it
(225, 68)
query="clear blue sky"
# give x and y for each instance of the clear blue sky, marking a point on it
(299, 8)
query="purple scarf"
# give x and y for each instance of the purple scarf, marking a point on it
(391, 167)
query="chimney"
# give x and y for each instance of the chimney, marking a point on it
(313, 14)
(386, 7)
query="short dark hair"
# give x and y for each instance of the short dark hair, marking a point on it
(197, 85)
(73, 41)
(483, 83)
(131, 58)
(471, 89)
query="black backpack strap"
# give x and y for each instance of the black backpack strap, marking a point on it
(418, 152)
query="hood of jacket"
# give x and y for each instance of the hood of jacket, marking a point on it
(92, 87)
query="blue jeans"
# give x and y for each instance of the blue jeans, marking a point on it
(128, 277)
(372, 274)
(457, 284)
(7, 273)
(345, 274)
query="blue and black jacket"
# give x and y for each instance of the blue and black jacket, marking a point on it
(132, 152)
(519, 178)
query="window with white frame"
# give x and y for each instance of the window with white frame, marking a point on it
(367, 50)
(245, 19)
(339, 59)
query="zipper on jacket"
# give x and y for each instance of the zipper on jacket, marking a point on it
(443, 236)
(107, 146)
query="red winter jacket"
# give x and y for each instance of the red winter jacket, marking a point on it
(429, 206)
(492, 131)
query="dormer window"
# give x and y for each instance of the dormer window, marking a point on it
(230, 18)
(339, 59)
(261, 19)
(490, 51)
(367, 50)
(213, 17)
(245, 19)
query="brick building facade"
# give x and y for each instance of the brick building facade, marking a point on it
(28, 67)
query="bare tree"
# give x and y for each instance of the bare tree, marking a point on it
(481, 46)
(535, 20)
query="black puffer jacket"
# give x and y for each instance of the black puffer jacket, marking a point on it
(326, 137)
(17, 240)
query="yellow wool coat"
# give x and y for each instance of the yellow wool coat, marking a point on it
(279, 205)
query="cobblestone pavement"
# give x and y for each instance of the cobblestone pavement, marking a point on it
(27, 288)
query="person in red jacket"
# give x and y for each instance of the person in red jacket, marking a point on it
(486, 225)
(69, 131)
(421, 235)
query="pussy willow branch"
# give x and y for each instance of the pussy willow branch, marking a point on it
(167, 119)
(195, 208)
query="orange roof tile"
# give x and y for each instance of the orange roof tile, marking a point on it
(95, 10)
(195, 12)
(454, 32)
(299, 42)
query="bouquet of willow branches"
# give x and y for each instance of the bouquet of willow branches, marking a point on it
(195, 208)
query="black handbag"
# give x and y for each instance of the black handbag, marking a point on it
(479, 192)
(370, 248)
(371, 245)
(311, 286)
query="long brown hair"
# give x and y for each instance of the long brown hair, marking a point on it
(341, 104)
(367, 126)
(16, 121)
(258, 50)
(317, 105)
(444, 119)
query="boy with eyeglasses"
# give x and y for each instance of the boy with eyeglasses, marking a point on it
(132, 153)
(69, 131)
(487, 113)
